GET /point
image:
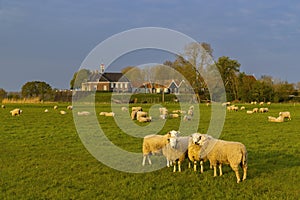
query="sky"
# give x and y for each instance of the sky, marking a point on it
(48, 40)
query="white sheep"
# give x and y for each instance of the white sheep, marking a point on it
(133, 114)
(194, 150)
(124, 109)
(83, 113)
(140, 114)
(138, 108)
(46, 110)
(263, 110)
(187, 118)
(145, 119)
(274, 119)
(255, 110)
(285, 114)
(176, 150)
(16, 112)
(261, 103)
(63, 112)
(249, 111)
(174, 115)
(269, 103)
(163, 113)
(242, 108)
(109, 114)
(55, 107)
(69, 107)
(2, 106)
(153, 144)
(224, 152)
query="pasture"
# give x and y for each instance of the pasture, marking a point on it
(42, 157)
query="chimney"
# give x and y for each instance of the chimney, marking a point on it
(102, 67)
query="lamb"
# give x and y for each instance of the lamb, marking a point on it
(140, 114)
(263, 110)
(83, 113)
(145, 119)
(16, 112)
(274, 119)
(224, 152)
(176, 150)
(194, 150)
(63, 112)
(285, 114)
(153, 144)
(173, 115)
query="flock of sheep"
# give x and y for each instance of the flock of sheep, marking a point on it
(281, 118)
(197, 148)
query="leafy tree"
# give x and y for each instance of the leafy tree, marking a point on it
(229, 70)
(37, 89)
(79, 77)
(3, 93)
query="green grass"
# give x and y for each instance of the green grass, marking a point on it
(42, 157)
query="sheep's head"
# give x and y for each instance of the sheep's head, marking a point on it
(173, 133)
(204, 138)
(196, 137)
(173, 142)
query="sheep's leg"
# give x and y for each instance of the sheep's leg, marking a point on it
(215, 170)
(201, 166)
(195, 165)
(174, 169)
(168, 163)
(236, 170)
(220, 169)
(189, 165)
(245, 172)
(179, 166)
(150, 163)
(144, 160)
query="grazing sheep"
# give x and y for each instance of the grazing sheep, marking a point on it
(46, 110)
(16, 112)
(261, 103)
(255, 110)
(70, 107)
(242, 108)
(233, 108)
(140, 114)
(187, 118)
(2, 106)
(249, 111)
(263, 110)
(285, 114)
(269, 103)
(55, 107)
(194, 150)
(63, 112)
(224, 152)
(145, 119)
(83, 113)
(163, 113)
(274, 119)
(153, 144)
(226, 103)
(139, 108)
(176, 150)
(179, 111)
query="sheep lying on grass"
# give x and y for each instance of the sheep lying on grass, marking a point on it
(249, 111)
(63, 112)
(70, 107)
(145, 119)
(194, 150)
(46, 110)
(55, 107)
(83, 113)
(176, 150)
(153, 144)
(274, 119)
(16, 112)
(187, 118)
(124, 109)
(224, 152)
(285, 114)
(163, 113)
(173, 115)
(140, 114)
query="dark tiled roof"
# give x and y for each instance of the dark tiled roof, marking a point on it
(108, 77)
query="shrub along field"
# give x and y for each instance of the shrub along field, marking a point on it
(42, 157)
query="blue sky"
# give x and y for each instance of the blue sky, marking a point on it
(48, 40)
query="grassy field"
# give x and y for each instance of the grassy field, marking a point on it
(42, 157)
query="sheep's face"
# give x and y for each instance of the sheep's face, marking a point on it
(196, 137)
(174, 133)
(173, 142)
(204, 138)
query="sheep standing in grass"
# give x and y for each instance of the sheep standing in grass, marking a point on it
(153, 144)
(16, 112)
(263, 110)
(176, 150)
(70, 107)
(194, 150)
(163, 113)
(255, 110)
(140, 114)
(285, 114)
(224, 152)
(134, 111)
(55, 107)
